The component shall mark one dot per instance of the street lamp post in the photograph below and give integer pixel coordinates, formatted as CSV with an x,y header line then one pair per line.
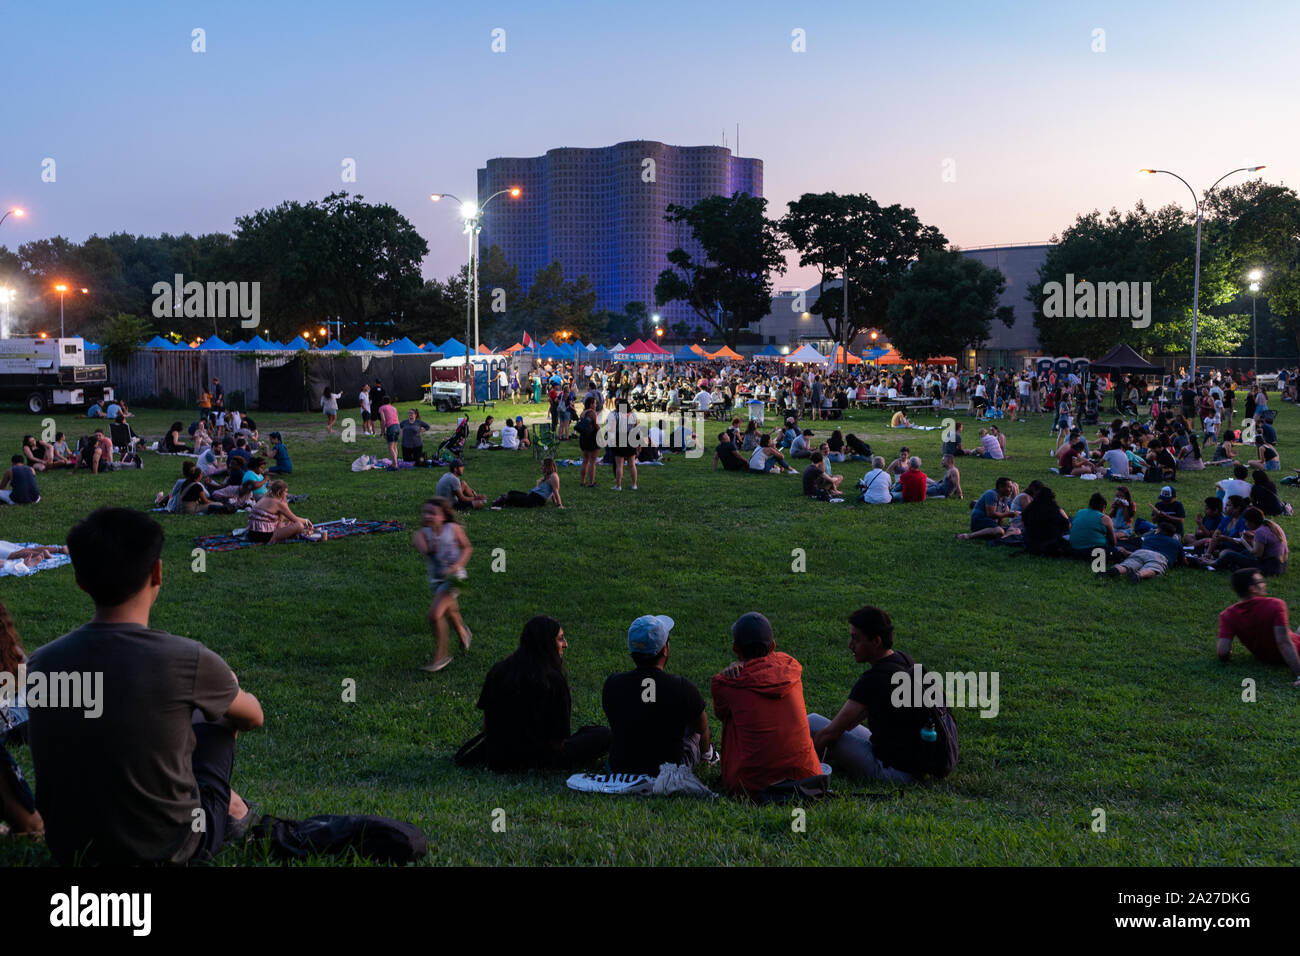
x,y
1200,214
61,289
1255,276
15,212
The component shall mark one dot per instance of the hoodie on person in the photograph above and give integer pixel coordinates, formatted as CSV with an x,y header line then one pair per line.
x,y
765,736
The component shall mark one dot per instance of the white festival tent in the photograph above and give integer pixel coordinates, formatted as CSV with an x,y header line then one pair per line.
x,y
806,353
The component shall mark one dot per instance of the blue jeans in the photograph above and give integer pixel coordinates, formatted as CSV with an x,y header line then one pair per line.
x,y
852,754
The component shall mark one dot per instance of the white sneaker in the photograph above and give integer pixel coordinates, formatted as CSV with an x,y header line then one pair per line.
x,y
617,488
634,487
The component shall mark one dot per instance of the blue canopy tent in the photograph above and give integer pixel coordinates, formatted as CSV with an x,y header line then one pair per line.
x,y
451,348
551,350
157,342
404,346
240,346
684,354
213,344
275,345
334,346
259,344
770,351
297,343
362,345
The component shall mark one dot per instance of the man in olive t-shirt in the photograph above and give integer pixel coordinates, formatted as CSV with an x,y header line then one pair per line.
x,y
136,775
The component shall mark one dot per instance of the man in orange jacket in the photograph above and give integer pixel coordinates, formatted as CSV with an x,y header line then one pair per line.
x,y
759,699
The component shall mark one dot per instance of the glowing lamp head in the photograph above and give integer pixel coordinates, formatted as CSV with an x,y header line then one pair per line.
x,y
1255,275
468,209
515,192
60,288
18,213
1254,287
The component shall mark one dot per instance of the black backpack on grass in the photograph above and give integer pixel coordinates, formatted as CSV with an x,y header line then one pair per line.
x,y
375,838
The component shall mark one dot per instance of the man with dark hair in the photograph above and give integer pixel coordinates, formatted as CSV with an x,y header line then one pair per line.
x,y
455,489
890,747
1159,552
726,452
142,774
218,395
816,484
1259,622
23,479
759,699
656,717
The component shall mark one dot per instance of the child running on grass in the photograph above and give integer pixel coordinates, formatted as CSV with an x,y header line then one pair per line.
x,y
447,549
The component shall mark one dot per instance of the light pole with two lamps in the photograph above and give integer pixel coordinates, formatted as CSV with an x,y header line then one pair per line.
x,y
1200,215
472,213
1255,275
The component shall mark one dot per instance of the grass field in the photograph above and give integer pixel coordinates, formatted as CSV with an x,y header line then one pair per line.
x,y
1111,697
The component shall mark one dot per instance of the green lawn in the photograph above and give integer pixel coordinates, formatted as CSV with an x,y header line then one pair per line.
x,y
1111,696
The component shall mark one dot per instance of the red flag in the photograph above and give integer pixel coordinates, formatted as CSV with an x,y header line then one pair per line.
x,y
528,342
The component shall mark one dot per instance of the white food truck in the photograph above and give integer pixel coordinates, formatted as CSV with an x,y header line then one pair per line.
x,y
45,373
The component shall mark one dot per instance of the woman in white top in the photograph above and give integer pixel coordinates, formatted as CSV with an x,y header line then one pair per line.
x,y
509,436
329,404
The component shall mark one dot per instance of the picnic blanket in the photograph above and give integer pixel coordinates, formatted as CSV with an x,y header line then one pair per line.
x,y
341,528
20,569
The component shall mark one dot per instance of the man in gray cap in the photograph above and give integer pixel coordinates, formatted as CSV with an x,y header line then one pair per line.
x,y
656,717
759,699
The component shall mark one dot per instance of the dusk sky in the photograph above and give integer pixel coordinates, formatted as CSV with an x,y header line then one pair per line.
x,y
149,137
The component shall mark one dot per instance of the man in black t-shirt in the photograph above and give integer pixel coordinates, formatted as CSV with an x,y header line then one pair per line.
x,y
890,747
815,483
726,453
656,717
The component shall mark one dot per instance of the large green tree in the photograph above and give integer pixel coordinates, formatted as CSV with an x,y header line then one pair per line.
x,y
874,245
1139,246
731,286
946,303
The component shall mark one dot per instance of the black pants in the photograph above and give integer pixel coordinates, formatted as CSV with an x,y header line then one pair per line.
x,y
522,499
213,763
585,746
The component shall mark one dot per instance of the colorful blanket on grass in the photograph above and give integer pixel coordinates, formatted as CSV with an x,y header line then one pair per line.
x,y
342,528
21,569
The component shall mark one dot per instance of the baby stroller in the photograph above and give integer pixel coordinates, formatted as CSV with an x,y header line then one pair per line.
x,y
454,445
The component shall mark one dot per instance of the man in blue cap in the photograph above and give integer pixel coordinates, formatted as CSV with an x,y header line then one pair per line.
x,y
656,717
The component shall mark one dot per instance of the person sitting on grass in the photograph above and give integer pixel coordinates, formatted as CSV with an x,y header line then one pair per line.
x,y
801,447
456,489
144,778
669,725
17,807
1073,460
1189,456
899,464
547,489
271,520
890,747
1091,528
1260,623
949,486
1209,521
192,496
858,450
1168,508
483,436
952,445
447,550
23,479
1225,453
759,699
726,453
749,440
1044,523
768,458
1161,464
509,435
62,453
989,511
36,455
816,483
527,707
899,420
876,484
99,456
1263,546
834,450
1263,494
281,465
210,466
172,443
1159,552
912,484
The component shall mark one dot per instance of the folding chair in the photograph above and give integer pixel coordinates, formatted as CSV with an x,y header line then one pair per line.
x,y
544,442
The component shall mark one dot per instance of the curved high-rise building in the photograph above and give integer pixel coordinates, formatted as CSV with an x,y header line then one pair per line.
x,y
600,213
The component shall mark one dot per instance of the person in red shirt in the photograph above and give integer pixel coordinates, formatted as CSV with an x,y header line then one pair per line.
x,y
1072,460
759,699
1260,622
912,482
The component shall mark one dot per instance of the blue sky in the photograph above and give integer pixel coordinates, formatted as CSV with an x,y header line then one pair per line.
x,y
148,136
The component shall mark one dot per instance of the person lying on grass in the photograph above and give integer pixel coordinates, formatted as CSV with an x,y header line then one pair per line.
x,y
547,489
271,520
1159,552
890,747
9,551
989,512
1260,623
446,550
144,777
527,707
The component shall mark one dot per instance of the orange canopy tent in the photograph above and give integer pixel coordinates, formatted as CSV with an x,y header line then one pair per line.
x,y
727,353
839,357
484,350
699,350
891,358
518,346
941,360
